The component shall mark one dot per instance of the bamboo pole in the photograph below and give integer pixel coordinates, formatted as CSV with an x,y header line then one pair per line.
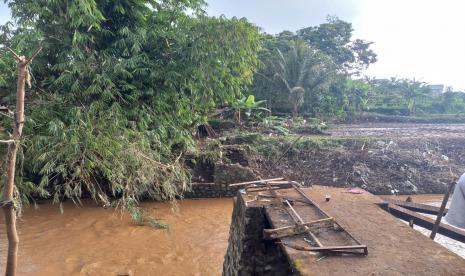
x,y
13,144
255,182
441,210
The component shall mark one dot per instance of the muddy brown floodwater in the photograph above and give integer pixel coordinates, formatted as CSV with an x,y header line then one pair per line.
x,y
436,200
93,241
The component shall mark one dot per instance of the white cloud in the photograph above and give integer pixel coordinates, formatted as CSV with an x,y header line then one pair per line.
x,y
416,38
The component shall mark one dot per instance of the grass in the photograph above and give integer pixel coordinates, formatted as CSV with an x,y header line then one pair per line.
x,y
275,145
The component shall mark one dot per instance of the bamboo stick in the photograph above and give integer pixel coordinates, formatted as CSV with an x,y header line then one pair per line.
x,y
255,181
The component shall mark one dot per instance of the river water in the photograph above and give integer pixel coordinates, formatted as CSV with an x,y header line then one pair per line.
x,y
91,240
436,200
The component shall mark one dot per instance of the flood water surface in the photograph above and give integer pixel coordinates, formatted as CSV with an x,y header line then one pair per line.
x,y
436,200
93,241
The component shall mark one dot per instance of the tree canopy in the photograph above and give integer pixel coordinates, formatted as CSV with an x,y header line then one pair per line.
x,y
334,38
311,71
119,88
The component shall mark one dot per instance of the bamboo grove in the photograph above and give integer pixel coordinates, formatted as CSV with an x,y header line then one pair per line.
x,y
117,91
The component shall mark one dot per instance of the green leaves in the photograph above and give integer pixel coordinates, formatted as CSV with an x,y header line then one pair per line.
x,y
122,86
334,38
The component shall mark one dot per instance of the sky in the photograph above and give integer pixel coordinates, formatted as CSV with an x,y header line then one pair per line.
x,y
4,13
421,39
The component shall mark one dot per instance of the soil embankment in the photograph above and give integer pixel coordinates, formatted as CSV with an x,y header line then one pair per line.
x,y
383,158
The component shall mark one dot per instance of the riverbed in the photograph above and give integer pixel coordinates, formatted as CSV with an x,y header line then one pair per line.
x,y
90,240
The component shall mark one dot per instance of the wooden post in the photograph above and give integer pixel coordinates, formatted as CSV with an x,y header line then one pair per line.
x,y
441,210
13,144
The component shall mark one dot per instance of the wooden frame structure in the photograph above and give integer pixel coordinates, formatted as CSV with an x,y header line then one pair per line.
x,y
300,226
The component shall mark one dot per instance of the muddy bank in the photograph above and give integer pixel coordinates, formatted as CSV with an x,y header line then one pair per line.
x,y
404,159
399,130
380,167
95,241
419,119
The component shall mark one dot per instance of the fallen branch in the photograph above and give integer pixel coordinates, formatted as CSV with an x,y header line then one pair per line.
x,y
154,161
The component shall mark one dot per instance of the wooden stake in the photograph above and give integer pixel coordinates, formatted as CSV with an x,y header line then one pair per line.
x,y
8,188
441,210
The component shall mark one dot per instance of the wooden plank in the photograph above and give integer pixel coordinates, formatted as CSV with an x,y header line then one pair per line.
x,y
341,249
337,247
417,207
260,189
278,233
425,222
302,193
279,182
314,238
255,181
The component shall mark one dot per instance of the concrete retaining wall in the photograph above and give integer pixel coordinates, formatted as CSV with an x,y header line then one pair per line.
x,y
248,253
211,190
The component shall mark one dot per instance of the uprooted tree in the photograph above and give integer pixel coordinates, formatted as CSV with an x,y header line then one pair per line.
x,y
7,202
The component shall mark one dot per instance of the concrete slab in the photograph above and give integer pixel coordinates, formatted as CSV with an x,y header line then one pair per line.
x,y
394,248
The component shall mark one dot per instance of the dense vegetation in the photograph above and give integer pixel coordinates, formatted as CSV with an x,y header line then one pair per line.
x,y
411,97
317,71
121,86
118,89
311,71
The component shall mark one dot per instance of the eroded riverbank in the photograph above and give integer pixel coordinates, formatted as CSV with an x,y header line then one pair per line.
x,y
93,241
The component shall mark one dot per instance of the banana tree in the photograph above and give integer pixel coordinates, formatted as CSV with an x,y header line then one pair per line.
x,y
248,106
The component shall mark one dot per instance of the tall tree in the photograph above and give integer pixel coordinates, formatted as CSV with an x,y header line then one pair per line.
x,y
412,91
334,38
292,73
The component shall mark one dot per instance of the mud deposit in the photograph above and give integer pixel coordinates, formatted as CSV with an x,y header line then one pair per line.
x,y
381,158
95,241
398,130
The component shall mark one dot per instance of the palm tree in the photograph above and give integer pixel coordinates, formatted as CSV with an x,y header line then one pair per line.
x,y
412,91
296,69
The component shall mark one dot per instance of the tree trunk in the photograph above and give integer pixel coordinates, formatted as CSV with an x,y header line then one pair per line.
x,y
295,110
8,188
